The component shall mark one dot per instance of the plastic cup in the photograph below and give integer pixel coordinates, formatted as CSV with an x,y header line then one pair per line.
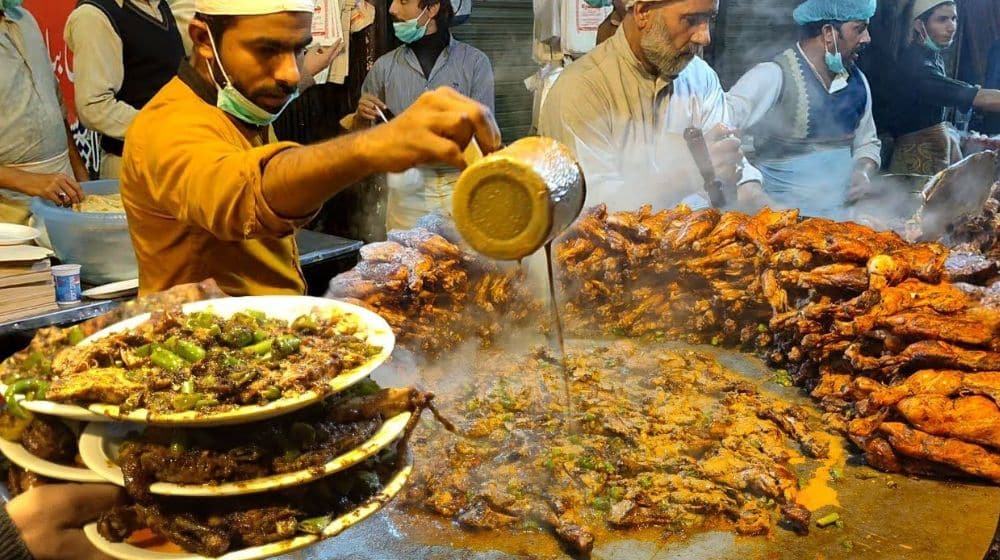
x,y
67,278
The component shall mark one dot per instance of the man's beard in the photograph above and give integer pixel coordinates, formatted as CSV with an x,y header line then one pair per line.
x,y
656,47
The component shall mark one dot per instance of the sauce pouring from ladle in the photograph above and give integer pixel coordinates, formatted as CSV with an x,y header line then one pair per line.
x,y
509,204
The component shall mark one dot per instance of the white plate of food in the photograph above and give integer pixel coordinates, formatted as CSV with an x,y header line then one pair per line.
x,y
113,290
219,362
164,550
15,234
100,443
16,452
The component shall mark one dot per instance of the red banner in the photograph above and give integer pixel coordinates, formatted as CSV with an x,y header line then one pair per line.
x,y
51,16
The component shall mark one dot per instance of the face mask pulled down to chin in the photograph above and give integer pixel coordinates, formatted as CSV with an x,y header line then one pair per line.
x,y
930,43
835,63
234,103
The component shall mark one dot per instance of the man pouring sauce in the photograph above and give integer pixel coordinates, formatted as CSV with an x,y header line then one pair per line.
x,y
207,190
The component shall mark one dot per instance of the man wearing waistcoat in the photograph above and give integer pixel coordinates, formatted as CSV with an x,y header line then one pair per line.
x,y
810,112
124,52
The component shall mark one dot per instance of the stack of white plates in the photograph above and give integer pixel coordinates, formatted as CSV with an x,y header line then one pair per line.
x,y
105,427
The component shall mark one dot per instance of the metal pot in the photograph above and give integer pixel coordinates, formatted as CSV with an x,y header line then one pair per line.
x,y
511,202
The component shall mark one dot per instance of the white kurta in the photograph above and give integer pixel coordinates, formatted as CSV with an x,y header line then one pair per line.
x,y
626,126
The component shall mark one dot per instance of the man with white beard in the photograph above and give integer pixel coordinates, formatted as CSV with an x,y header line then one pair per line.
x,y
623,108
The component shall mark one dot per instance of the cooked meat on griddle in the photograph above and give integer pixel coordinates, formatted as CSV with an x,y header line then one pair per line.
x,y
970,458
214,527
829,302
658,437
973,268
974,419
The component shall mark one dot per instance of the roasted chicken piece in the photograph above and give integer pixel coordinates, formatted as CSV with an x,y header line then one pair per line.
x,y
966,457
724,232
885,270
351,285
20,481
969,267
973,419
846,277
427,242
842,242
925,260
683,232
923,382
798,259
972,328
383,275
933,353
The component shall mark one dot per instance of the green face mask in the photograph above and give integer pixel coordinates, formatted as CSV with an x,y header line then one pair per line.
x,y
928,42
9,4
410,30
235,103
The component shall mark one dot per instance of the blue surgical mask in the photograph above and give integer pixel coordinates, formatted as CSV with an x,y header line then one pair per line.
x,y
233,102
598,3
9,4
835,60
410,30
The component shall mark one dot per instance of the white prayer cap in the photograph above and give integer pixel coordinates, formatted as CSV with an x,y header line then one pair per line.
x,y
252,7
921,7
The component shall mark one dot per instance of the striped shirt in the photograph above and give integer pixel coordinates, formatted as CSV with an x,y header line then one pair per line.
x,y
397,80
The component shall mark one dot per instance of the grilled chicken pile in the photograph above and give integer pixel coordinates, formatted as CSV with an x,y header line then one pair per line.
x,y
660,437
843,308
432,291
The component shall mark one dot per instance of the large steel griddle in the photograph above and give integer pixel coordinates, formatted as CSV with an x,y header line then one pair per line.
x,y
886,517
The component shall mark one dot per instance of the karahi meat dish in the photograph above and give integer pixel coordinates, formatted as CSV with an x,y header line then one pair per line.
x,y
45,437
303,440
214,527
178,362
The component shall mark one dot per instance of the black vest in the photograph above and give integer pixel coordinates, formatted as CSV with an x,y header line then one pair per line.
x,y
151,53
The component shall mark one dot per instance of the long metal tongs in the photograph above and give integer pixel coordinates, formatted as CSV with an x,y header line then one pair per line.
x,y
695,139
